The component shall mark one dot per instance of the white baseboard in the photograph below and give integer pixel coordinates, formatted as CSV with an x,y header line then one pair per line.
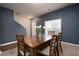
x,y
70,44
8,43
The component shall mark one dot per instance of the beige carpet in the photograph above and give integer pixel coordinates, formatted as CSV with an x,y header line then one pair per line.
x,y
68,50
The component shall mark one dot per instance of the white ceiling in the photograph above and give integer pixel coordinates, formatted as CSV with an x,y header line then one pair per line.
x,y
34,9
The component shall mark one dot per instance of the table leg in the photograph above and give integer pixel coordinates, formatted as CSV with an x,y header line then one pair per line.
x,y
33,51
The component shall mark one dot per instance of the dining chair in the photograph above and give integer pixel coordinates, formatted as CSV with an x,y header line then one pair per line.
x,y
21,45
54,46
59,41
52,49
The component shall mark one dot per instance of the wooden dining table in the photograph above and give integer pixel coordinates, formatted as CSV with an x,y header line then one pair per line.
x,y
34,43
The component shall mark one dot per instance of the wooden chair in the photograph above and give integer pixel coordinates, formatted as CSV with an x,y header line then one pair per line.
x,y
51,50
59,41
54,46
21,45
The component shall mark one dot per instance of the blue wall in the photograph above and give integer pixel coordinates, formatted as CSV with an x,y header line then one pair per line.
x,y
9,28
70,22
0,29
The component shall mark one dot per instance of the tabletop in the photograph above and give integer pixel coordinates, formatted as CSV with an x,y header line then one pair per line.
x,y
35,41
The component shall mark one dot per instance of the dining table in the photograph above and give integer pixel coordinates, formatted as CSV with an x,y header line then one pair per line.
x,y
34,43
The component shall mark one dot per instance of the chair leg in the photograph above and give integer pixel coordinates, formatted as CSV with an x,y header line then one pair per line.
x,y
19,54
57,51
25,53
54,51
24,50
61,49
